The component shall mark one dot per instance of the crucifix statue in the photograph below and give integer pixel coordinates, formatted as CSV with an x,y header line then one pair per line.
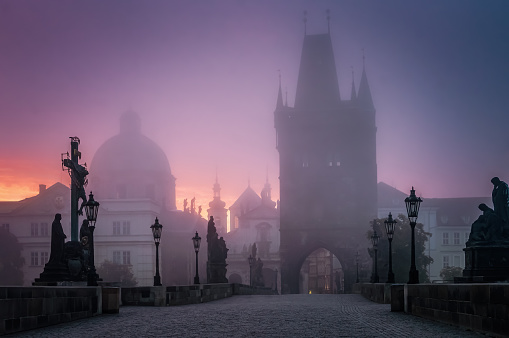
x,y
79,180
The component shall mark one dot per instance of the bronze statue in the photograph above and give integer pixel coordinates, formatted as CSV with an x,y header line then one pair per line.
x,y
500,197
57,242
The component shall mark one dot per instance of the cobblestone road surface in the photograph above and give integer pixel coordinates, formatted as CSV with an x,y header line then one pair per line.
x,y
258,316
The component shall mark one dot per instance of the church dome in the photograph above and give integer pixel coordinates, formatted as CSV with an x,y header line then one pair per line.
x,y
132,166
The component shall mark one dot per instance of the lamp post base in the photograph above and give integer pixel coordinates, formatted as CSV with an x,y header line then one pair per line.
x,y
413,277
390,277
157,281
92,277
196,280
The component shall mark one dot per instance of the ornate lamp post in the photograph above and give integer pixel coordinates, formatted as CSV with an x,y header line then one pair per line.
x,y
91,209
389,229
251,261
357,263
412,207
196,243
374,241
156,231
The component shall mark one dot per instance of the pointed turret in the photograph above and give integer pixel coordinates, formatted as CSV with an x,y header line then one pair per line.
x,y
353,95
217,209
364,97
266,194
279,103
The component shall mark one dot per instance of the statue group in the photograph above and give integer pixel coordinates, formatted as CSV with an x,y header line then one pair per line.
x,y
493,225
487,249
216,254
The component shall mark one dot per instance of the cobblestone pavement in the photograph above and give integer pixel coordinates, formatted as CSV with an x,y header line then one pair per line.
x,y
258,316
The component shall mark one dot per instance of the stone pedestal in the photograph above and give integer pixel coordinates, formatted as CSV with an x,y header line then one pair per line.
x,y
216,273
486,263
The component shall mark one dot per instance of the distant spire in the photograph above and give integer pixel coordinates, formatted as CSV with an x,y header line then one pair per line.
x,y
279,103
328,19
353,94
305,22
286,96
364,95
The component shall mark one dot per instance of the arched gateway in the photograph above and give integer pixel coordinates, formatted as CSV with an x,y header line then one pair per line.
x,y
328,173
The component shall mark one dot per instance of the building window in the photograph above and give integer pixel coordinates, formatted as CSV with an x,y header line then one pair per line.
x,y
456,239
44,257
457,261
116,257
336,159
116,228
126,228
34,230
445,262
34,258
5,226
44,230
126,257
305,161
445,238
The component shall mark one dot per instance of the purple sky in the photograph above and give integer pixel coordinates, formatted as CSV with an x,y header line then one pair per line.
x,y
203,76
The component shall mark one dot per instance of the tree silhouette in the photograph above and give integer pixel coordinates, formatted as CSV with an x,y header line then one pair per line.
x,y
401,250
119,273
11,260
450,272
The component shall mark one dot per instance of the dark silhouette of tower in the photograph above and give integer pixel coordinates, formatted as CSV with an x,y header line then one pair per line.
x,y
327,157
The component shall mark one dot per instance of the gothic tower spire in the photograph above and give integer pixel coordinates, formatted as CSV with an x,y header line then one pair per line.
x,y
279,103
364,96
353,95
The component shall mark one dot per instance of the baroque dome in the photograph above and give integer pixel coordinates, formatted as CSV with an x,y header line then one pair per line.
x,y
132,166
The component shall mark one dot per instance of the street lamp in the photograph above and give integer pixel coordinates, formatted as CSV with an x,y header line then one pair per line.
x,y
412,207
251,261
196,243
357,263
374,241
91,209
389,229
156,231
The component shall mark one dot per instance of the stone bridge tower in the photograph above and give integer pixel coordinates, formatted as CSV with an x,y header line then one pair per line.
x,y
328,171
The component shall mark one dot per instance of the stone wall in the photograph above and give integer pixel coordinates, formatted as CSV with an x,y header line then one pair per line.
x,y
376,292
25,308
187,294
479,307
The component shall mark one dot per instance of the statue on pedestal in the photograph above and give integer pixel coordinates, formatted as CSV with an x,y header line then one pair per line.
x,y
487,248
216,253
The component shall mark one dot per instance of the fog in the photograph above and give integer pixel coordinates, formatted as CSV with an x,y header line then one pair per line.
x,y
203,77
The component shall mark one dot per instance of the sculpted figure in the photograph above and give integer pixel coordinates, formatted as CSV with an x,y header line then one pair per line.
x,y
57,242
500,197
80,180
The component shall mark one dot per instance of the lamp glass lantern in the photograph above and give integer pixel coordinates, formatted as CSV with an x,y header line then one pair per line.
x,y
389,226
412,206
157,229
91,209
374,239
196,242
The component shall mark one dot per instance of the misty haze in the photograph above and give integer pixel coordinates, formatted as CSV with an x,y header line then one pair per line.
x,y
257,143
